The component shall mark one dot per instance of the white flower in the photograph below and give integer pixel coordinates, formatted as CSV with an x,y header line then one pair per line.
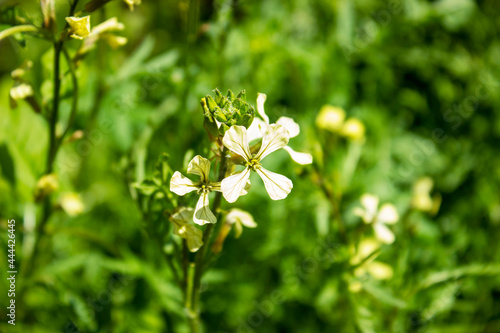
x,y
379,218
258,128
236,140
21,91
182,228
239,218
181,185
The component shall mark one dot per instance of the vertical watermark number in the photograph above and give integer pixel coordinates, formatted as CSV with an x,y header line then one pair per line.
x,y
11,271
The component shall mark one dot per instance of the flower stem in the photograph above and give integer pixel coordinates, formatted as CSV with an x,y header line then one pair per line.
x,y
334,202
53,144
202,253
18,28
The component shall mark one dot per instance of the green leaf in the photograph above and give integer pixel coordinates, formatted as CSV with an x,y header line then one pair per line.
x,y
383,295
147,187
163,171
135,64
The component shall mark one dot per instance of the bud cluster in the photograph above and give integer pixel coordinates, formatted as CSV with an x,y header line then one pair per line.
x,y
222,112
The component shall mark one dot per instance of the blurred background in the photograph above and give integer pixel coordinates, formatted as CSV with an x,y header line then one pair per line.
x,y
421,79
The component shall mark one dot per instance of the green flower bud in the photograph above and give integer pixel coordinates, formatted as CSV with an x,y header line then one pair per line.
x,y
218,96
227,111
206,110
219,114
211,103
242,95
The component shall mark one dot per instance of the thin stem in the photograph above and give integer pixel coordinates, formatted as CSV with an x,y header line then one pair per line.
x,y
53,146
333,201
185,262
170,263
193,317
74,104
202,252
18,28
54,115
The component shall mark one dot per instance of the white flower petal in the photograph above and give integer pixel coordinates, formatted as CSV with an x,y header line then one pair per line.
x,y
202,212
238,230
246,188
236,140
383,233
199,166
181,185
236,215
186,230
276,137
233,186
111,24
194,238
261,99
388,214
292,127
370,203
256,130
361,212
184,215
277,186
301,158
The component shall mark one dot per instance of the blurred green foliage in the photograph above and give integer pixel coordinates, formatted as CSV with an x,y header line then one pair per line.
x,y
423,77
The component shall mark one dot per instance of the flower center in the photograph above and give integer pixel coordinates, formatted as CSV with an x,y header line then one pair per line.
x,y
204,188
254,164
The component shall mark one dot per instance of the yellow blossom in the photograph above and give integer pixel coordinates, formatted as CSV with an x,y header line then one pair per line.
x,y
422,199
353,129
46,185
364,259
132,3
71,203
79,26
330,118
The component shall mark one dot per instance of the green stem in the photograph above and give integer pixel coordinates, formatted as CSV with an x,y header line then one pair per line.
x,y
193,317
327,191
74,103
202,252
185,263
18,28
54,115
53,143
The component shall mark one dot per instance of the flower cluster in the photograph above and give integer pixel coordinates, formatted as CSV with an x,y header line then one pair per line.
x,y
232,126
79,28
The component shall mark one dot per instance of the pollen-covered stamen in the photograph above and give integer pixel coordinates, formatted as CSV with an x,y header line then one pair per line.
x,y
254,164
206,188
